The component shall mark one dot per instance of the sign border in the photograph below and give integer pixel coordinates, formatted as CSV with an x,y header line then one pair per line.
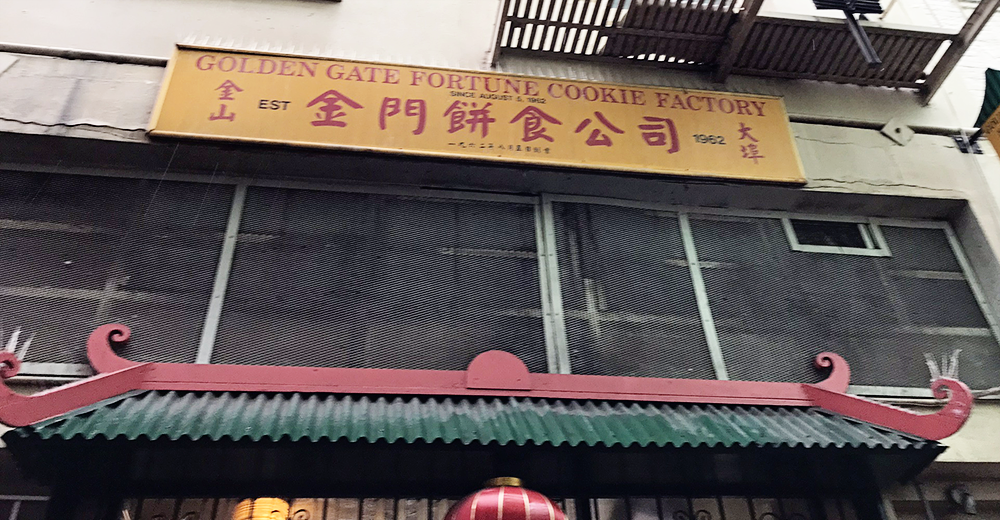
x,y
168,76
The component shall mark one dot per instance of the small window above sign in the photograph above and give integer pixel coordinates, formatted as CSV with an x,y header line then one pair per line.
x,y
835,236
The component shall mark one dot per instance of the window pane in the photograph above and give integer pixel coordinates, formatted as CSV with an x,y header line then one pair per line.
x,y
824,233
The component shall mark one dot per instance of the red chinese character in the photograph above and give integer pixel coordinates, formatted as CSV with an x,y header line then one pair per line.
x,y
228,88
413,108
533,128
660,138
475,117
750,152
597,137
331,109
745,132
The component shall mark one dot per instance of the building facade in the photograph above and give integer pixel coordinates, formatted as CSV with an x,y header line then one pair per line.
x,y
261,248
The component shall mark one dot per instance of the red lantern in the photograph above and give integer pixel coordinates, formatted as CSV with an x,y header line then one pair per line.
x,y
505,499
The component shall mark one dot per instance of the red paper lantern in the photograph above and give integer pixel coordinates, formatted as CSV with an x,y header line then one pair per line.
x,y
505,499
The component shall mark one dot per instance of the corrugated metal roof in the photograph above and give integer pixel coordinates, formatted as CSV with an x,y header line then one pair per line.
x,y
257,417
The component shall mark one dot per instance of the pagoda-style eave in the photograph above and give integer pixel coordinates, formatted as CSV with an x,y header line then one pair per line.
x,y
491,374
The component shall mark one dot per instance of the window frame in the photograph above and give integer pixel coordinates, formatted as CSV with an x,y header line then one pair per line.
x,y
874,241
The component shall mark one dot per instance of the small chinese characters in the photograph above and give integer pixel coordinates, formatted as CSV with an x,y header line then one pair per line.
x,y
750,150
227,90
500,147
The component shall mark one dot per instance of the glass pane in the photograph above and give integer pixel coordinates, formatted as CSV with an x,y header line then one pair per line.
x,y
823,233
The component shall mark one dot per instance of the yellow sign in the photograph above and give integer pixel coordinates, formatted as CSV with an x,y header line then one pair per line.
x,y
242,96
991,129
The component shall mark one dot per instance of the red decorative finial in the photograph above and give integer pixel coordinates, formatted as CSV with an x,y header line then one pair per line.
x,y
934,426
101,344
840,372
9,365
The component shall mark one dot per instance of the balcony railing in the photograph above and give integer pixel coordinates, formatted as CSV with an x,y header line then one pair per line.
x,y
731,36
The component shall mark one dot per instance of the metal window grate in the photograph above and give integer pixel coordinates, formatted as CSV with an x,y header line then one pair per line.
x,y
379,281
81,251
630,307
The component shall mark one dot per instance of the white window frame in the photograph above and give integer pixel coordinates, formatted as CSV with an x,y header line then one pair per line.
x,y
875,244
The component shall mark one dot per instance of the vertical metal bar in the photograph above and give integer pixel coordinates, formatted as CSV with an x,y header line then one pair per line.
x,y
543,283
863,230
211,325
554,318
970,277
879,238
701,297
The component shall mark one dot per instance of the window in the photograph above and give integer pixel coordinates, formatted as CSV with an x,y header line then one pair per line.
x,y
81,251
830,236
405,278
366,280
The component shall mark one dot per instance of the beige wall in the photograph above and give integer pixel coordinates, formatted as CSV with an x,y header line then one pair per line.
x,y
455,33
979,439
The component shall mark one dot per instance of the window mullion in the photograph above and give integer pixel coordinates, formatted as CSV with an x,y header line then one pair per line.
x,y
210,327
553,317
701,297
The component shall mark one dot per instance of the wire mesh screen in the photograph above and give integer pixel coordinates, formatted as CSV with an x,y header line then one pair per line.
x,y
79,251
629,303
378,281
775,309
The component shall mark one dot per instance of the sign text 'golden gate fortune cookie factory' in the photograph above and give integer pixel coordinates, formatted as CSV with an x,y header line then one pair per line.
x,y
326,103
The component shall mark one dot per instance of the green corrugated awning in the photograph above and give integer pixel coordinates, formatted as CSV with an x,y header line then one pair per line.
x,y
161,415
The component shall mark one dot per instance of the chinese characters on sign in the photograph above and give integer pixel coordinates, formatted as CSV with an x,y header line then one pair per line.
x,y
228,88
339,104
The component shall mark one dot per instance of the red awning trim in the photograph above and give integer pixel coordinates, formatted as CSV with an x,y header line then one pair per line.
x,y
493,373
